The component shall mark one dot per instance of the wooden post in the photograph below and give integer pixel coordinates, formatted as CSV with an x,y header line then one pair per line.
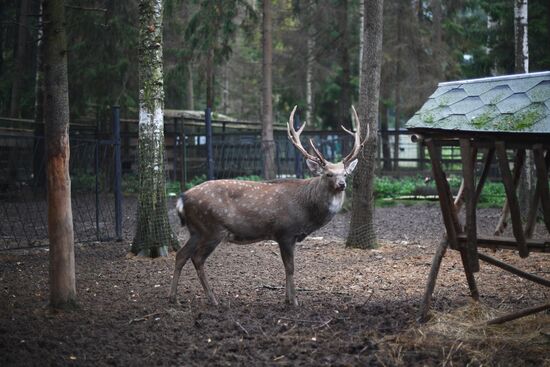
x,y
487,160
542,182
472,262
518,164
434,271
447,208
512,198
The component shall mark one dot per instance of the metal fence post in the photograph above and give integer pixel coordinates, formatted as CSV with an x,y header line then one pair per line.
x,y
118,173
298,167
209,149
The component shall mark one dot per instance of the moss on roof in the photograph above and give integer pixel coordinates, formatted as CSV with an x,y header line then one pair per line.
x,y
513,103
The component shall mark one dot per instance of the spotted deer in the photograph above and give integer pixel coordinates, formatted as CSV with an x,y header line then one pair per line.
x,y
285,211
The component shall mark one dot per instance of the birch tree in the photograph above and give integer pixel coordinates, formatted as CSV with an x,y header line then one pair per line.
x,y
362,233
521,62
56,118
154,237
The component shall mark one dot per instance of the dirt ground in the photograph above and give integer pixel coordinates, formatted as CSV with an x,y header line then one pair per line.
x,y
357,307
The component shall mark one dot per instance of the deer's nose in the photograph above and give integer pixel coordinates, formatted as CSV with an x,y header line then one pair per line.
x,y
341,186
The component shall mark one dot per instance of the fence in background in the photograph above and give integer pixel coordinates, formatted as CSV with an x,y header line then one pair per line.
x,y
103,165
95,189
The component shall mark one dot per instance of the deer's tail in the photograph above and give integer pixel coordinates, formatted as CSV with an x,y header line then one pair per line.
x,y
180,209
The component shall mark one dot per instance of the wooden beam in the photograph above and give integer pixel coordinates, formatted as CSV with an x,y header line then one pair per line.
x,y
472,261
512,269
518,164
512,198
450,217
519,314
494,242
434,271
487,160
534,206
542,182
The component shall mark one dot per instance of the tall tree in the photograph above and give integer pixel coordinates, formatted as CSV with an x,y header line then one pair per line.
x,y
20,59
521,62
153,234
56,117
268,144
344,81
362,233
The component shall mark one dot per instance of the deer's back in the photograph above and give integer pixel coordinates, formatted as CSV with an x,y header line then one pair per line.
x,y
249,211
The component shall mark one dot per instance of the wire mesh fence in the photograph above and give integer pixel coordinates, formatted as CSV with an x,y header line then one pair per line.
x,y
93,163
23,206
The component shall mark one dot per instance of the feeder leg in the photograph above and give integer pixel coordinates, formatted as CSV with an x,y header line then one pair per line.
x,y
434,271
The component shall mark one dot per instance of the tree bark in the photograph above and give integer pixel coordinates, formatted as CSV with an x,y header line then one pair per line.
x,y
344,102
20,59
386,153
56,116
189,86
153,236
39,173
309,68
268,145
362,233
521,61
361,38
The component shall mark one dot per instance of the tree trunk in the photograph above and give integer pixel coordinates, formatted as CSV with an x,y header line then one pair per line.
x,y
20,59
153,236
397,78
437,40
386,152
344,102
190,95
361,38
268,145
362,233
210,79
39,172
309,69
56,116
521,53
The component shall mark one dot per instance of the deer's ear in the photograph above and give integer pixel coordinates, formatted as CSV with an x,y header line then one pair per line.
x,y
351,166
314,167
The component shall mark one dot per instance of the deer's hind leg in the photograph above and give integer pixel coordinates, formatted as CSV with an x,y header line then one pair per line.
x,y
182,256
204,250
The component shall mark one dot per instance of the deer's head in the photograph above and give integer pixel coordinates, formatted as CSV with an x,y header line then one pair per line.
x,y
334,174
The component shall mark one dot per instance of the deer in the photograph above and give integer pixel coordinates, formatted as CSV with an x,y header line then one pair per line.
x,y
282,210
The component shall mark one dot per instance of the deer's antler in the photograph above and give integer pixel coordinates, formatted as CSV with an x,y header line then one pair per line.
x,y
357,138
294,137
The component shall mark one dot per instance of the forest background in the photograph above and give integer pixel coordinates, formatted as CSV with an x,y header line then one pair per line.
x,y
316,48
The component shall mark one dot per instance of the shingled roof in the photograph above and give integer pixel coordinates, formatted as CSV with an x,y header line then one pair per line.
x,y
513,103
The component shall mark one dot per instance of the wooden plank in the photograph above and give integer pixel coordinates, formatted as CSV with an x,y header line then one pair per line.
x,y
430,285
518,165
469,198
494,242
450,218
542,182
515,214
512,269
469,274
487,160
519,314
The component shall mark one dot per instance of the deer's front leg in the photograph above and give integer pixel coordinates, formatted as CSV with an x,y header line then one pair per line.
x,y
287,253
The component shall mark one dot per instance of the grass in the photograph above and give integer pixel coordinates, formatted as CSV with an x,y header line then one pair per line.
x,y
462,337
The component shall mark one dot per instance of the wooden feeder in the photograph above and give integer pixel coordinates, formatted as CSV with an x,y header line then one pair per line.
x,y
494,116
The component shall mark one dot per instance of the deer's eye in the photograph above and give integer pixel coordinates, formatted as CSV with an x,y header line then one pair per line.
x,y
329,175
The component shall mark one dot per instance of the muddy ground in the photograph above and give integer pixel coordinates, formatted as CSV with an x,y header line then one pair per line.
x,y
354,304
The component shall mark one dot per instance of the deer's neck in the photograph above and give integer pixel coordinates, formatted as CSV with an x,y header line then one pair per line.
x,y
320,197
